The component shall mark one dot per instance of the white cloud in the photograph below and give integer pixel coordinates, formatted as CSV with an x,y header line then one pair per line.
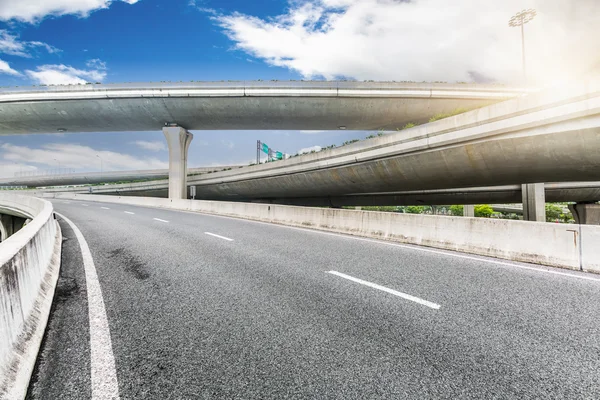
x,y
78,157
12,45
228,143
309,149
152,146
66,75
6,69
96,63
9,170
425,40
35,10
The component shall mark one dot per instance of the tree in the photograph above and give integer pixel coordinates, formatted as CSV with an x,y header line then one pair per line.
x,y
381,208
553,212
415,209
483,210
457,210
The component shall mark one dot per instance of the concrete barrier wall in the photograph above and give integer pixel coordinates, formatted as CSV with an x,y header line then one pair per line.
x,y
559,245
29,265
590,247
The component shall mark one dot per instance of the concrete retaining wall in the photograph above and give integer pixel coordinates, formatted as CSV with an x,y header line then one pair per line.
x,y
29,265
559,245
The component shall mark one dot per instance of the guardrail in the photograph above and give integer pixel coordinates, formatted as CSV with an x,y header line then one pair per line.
x,y
559,245
29,266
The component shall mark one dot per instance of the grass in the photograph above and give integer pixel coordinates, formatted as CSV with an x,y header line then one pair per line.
x,y
437,117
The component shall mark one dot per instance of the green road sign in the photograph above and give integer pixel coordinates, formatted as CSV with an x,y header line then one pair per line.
x,y
265,148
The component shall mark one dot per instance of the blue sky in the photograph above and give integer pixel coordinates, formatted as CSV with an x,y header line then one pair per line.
x,y
71,41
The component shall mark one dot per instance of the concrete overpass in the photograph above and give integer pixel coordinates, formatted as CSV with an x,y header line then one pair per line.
x,y
580,192
232,105
236,105
545,137
85,178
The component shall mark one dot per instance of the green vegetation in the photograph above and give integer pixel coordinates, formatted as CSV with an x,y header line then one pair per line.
x,y
457,210
415,209
437,117
483,210
382,208
557,212
408,126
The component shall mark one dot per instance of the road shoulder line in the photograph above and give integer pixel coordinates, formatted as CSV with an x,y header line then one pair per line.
x,y
103,371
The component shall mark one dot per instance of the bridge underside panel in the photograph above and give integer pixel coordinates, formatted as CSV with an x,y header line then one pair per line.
x,y
488,196
226,113
495,162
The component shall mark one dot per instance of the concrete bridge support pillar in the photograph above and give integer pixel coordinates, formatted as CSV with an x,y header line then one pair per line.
x,y
586,214
9,225
179,141
534,202
469,210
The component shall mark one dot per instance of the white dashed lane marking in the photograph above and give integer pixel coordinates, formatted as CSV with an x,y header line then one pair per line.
x,y
219,236
387,290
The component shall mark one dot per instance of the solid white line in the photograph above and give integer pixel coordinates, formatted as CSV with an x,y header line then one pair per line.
x,y
105,208
129,212
387,290
103,372
158,219
219,236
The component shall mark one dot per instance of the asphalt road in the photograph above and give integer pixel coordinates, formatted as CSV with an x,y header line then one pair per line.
x,y
278,312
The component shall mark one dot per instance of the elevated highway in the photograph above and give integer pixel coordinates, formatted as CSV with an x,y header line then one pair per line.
x,y
241,105
179,107
550,136
547,137
581,192
84,178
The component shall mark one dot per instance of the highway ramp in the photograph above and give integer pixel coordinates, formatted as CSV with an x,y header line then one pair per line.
x,y
203,306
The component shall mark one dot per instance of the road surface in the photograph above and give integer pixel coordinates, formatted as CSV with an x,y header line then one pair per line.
x,y
199,306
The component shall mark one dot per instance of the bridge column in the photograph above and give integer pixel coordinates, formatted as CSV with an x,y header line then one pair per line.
x,y
179,141
469,210
534,202
586,213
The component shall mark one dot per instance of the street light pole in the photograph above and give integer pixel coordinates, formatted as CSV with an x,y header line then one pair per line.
x,y
520,19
